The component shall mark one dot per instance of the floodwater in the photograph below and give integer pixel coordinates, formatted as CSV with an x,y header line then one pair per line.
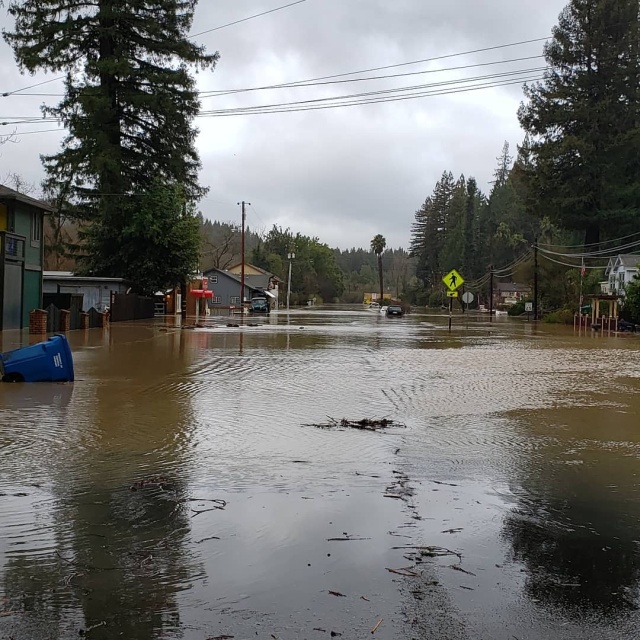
x,y
179,488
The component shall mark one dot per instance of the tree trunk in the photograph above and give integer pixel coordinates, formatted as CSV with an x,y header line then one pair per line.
x,y
380,276
592,236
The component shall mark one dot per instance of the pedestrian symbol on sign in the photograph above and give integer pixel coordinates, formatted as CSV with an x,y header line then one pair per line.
x,y
453,280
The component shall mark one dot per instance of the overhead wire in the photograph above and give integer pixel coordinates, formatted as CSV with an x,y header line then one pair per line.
x,y
592,254
193,35
382,92
591,244
303,83
337,102
518,261
312,83
257,15
574,266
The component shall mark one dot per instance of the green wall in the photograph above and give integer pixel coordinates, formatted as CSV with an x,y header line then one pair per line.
x,y
32,297
32,291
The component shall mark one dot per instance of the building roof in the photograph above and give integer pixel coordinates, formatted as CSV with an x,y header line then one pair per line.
x,y
253,266
624,260
69,276
629,260
512,287
11,194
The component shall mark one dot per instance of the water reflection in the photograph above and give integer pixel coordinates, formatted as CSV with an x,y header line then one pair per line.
x,y
112,557
575,524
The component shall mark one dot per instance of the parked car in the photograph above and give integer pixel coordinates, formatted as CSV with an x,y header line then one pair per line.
x,y
394,310
259,305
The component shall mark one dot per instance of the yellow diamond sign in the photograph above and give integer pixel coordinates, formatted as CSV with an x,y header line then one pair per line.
x,y
453,280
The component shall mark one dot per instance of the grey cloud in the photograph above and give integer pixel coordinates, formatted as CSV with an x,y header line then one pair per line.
x,y
344,174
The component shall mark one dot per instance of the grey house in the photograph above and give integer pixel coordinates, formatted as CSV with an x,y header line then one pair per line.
x,y
226,288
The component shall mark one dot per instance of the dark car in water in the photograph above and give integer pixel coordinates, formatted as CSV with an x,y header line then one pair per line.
x,y
259,305
394,310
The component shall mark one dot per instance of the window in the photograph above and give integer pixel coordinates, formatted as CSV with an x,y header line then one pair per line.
x,y
213,279
234,300
36,231
217,300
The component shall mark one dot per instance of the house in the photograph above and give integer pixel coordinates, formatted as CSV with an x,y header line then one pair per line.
x,y
509,293
96,291
260,279
226,289
620,271
21,256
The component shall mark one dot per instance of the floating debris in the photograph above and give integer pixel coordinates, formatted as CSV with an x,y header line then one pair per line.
x,y
377,625
366,424
407,573
159,482
337,594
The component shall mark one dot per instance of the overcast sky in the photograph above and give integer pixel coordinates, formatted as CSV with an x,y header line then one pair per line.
x,y
341,174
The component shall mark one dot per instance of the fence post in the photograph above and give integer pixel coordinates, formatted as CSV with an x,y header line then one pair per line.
x,y
84,320
65,320
38,322
104,319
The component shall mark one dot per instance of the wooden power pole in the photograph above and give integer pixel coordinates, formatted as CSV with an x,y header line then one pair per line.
x,y
244,218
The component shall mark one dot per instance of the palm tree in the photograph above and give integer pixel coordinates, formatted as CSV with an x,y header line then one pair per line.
x,y
378,245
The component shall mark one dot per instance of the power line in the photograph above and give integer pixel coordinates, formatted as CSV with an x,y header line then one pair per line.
x,y
518,261
304,83
291,108
584,246
26,133
592,254
194,35
346,101
573,266
32,86
309,83
257,15
382,92
348,73
423,60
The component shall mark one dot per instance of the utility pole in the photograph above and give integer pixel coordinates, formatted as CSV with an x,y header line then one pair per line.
x,y
244,217
535,280
292,256
491,293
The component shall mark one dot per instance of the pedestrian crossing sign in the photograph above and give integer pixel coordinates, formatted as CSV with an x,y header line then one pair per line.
x,y
453,280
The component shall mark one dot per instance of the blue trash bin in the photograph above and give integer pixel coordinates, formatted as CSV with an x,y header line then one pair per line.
x,y
49,361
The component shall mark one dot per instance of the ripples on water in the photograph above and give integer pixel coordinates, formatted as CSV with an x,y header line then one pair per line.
x,y
530,426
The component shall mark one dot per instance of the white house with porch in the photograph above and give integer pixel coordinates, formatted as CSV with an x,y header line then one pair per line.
x,y
620,271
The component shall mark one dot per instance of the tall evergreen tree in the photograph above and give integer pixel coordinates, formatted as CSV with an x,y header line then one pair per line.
x,y
129,105
469,260
584,119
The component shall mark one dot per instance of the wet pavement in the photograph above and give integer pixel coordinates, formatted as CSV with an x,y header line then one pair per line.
x,y
178,489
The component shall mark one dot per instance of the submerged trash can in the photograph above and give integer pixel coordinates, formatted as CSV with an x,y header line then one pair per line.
x,y
49,361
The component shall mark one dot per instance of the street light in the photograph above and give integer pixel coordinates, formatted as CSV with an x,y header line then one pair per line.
x,y
291,256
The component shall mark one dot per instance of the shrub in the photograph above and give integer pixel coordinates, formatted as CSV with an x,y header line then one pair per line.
x,y
562,316
436,299
517,309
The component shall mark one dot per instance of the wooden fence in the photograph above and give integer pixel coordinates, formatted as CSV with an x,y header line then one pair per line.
x,y
126,307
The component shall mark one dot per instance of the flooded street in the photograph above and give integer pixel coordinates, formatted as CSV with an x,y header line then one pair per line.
x,y
179,488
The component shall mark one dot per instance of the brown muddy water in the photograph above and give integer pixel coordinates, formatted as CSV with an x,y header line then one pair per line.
x,y
521,447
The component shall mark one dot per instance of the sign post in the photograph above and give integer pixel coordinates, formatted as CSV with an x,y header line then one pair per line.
x,y
468,298
528,307
453,281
